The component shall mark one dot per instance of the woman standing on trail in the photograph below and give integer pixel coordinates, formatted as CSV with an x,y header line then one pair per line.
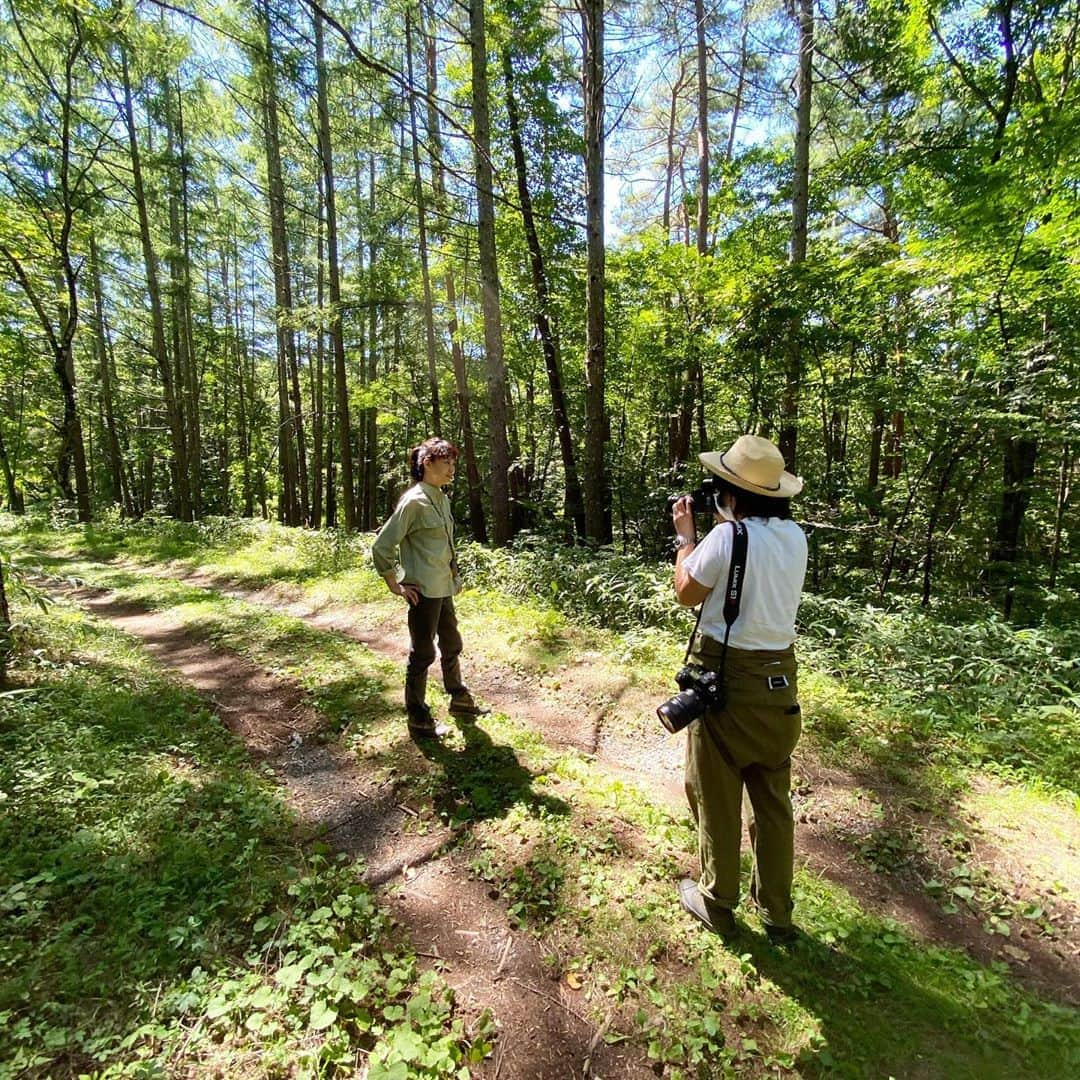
x,y
747,743
414,552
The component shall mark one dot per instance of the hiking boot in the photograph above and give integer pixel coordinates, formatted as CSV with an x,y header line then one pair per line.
x,y
427,734
422,724
462,703
720,920
782,935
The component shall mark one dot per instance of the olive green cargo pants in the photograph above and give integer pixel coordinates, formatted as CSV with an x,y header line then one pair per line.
x,y
747,745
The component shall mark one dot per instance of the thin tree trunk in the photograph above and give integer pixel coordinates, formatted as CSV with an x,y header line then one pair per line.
x,y
115,458
341,383
597,494
371,429
477,520
669,171
574,506
221,347
239,366
422,241
703,130
291,433
800,201
180,292
489,280
178,464
316,370
740,85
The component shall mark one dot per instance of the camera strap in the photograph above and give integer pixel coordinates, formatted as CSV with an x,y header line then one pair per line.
x,y
732,594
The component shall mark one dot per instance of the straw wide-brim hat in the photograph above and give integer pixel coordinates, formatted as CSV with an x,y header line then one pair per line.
x,y
754,464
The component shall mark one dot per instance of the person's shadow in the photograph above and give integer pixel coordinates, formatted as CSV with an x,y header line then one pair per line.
x,y
482,780
882,1010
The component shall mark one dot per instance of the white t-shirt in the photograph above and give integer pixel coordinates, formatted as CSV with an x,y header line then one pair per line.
x,y
775,571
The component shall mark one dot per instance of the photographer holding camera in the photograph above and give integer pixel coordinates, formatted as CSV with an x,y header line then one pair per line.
x,y
741,687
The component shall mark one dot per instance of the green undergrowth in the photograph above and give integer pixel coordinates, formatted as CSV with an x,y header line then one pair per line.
x,y
589,865
903,691
160,916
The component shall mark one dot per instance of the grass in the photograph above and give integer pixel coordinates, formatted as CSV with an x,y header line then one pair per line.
x,y
588,864
160,914
904,693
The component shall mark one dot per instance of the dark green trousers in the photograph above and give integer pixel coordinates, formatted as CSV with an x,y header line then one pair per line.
x,y
746,746
432,616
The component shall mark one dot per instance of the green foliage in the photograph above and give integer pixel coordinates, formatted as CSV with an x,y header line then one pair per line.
x,y
978,692
586,864
975,692
602,588
159,911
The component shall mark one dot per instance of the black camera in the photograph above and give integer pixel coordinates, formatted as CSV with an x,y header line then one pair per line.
x,y
699,689
702,498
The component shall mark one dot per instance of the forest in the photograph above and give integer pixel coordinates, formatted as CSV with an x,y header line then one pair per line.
x,y
251,252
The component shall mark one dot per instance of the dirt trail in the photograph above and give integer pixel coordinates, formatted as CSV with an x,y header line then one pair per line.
x,y
449,916
835,810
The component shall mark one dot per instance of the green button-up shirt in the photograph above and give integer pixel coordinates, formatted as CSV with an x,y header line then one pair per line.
x,y
416,543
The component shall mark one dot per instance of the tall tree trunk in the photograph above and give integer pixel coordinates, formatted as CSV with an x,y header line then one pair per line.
x,y
597,495
180,293
231,289
740,85
574,505
316,370
291,434
477,520
337,339
703,130
421,237
221,346
179,464
669,171
800,202
115,458
489,280
370,491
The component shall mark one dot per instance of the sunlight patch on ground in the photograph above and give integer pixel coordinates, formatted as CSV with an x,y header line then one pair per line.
x,y
1041,833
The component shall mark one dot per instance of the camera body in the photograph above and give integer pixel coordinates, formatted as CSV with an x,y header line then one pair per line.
x,y
702,498
699,689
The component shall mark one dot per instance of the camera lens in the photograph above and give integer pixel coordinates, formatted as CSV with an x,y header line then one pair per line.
x,y
682,709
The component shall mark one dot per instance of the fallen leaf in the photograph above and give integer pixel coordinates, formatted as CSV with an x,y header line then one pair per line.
x,y
573,980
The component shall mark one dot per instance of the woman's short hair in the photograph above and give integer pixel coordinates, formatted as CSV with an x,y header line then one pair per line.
x,y
434,449
751,504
